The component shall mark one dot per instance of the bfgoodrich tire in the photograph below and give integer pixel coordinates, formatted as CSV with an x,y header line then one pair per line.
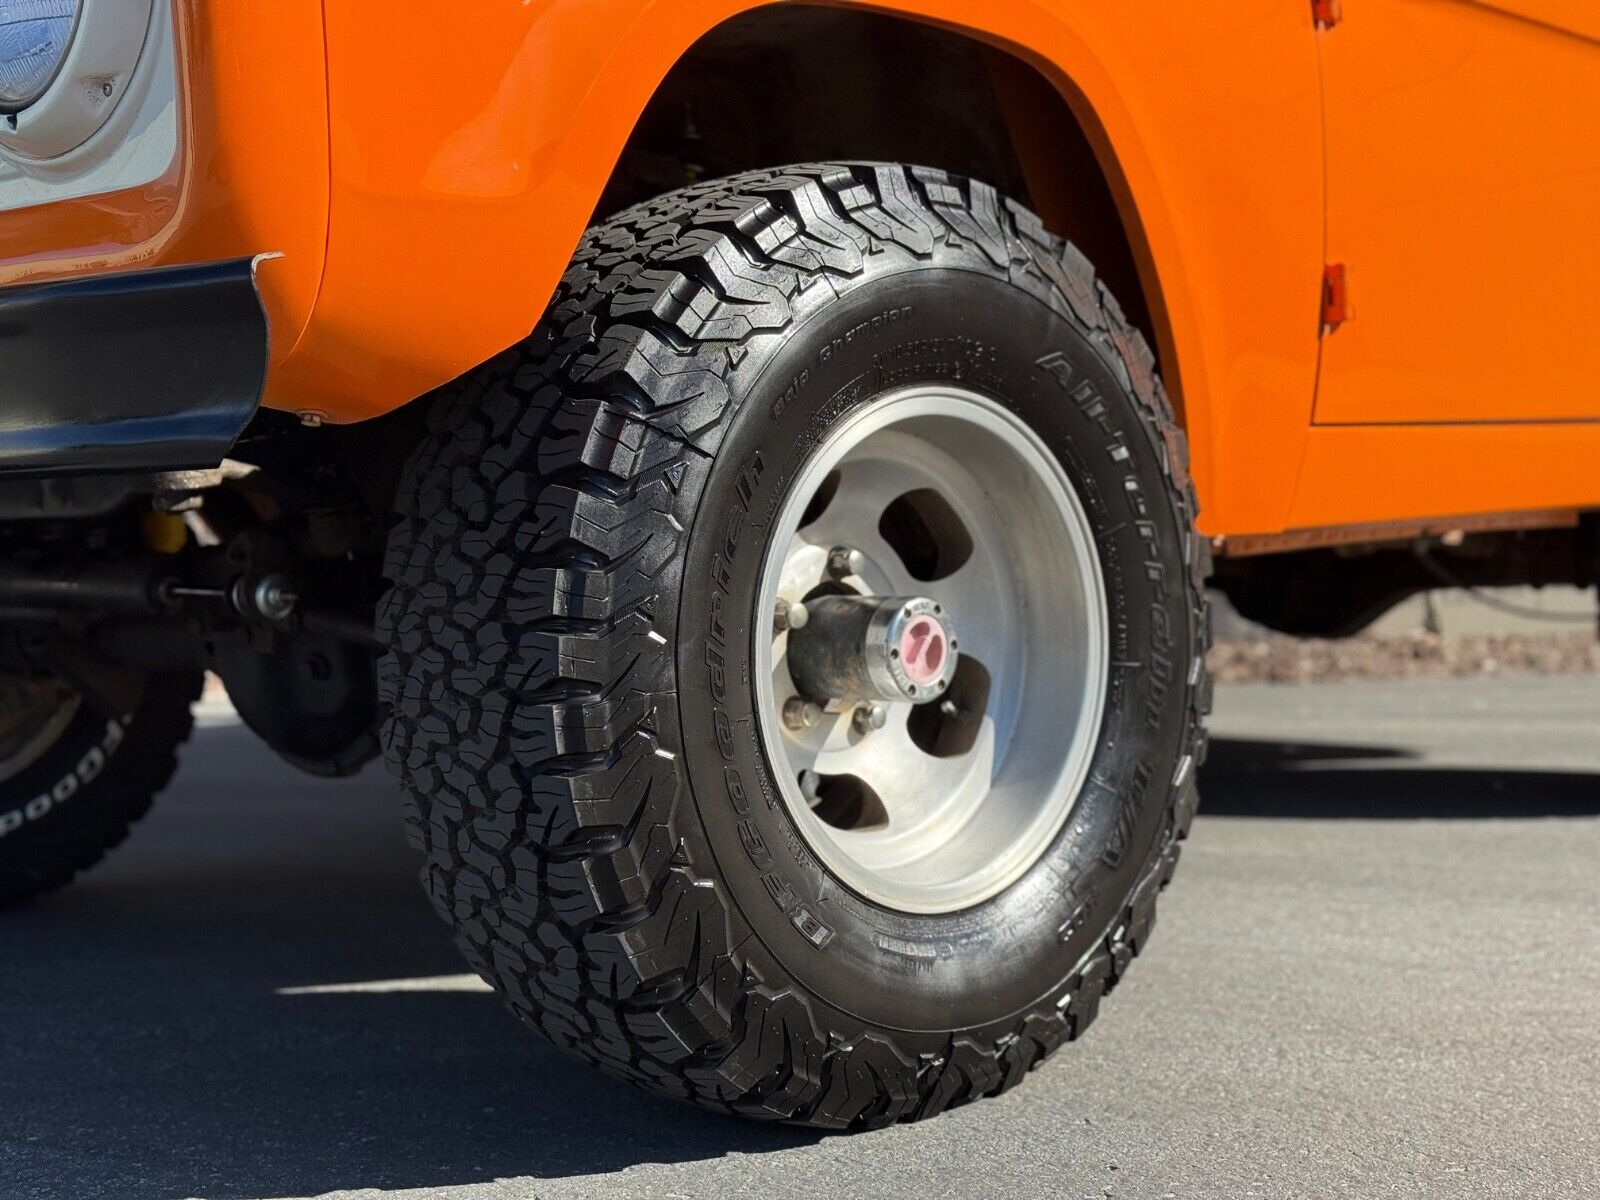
x,y
581,647
75,775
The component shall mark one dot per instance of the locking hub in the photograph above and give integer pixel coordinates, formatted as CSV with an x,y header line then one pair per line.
x,y
869,648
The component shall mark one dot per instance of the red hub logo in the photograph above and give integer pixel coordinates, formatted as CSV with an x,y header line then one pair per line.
x,y
924,646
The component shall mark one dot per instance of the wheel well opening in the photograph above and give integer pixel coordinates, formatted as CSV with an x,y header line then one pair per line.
x,y
794,83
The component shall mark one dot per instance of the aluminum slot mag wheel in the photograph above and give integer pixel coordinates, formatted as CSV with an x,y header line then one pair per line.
x,y
937,790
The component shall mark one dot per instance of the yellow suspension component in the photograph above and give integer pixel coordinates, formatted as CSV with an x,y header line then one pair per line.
x,y
165,533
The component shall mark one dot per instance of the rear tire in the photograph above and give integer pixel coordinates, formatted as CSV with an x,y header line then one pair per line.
x,y
572,682
79,782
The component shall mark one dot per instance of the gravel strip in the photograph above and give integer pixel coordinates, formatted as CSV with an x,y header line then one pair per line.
x,y
1276,659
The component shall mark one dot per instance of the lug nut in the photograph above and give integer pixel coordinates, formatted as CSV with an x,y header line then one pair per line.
x,y
800,713
789,616
844,562
869,717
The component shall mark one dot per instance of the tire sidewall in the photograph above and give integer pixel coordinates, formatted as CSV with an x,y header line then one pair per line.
x,y
56,789
900,325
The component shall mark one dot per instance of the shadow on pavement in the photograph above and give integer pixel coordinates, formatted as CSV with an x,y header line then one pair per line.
x,y
1296,779
148,1051
148,1048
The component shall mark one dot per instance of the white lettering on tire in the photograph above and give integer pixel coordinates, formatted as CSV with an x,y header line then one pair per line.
x,y
89,766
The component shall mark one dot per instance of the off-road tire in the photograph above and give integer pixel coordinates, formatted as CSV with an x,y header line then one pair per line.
x,y
65,811
541,674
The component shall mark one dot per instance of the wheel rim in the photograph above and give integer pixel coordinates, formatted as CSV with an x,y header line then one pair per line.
x,y
928,806
33,715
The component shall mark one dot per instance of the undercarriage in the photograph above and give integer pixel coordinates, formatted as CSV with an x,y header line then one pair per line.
x,y
266,576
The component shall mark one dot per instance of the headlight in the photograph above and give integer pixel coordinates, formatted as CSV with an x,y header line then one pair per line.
x,y
34,37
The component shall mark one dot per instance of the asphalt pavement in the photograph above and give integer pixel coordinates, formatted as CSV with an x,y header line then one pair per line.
x,y
1377,974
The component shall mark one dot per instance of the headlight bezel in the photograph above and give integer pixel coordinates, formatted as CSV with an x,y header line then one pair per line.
x,y
95,75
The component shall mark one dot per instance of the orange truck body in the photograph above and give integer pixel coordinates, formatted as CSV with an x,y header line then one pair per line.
x,y
1368,239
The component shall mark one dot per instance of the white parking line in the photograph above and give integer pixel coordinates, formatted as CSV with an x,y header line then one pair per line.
x,y
425,983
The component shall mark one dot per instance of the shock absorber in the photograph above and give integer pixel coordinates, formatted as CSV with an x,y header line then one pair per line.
x,y
86,587
41,592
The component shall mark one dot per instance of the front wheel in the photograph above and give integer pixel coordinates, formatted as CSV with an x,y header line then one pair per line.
x,y
796,648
